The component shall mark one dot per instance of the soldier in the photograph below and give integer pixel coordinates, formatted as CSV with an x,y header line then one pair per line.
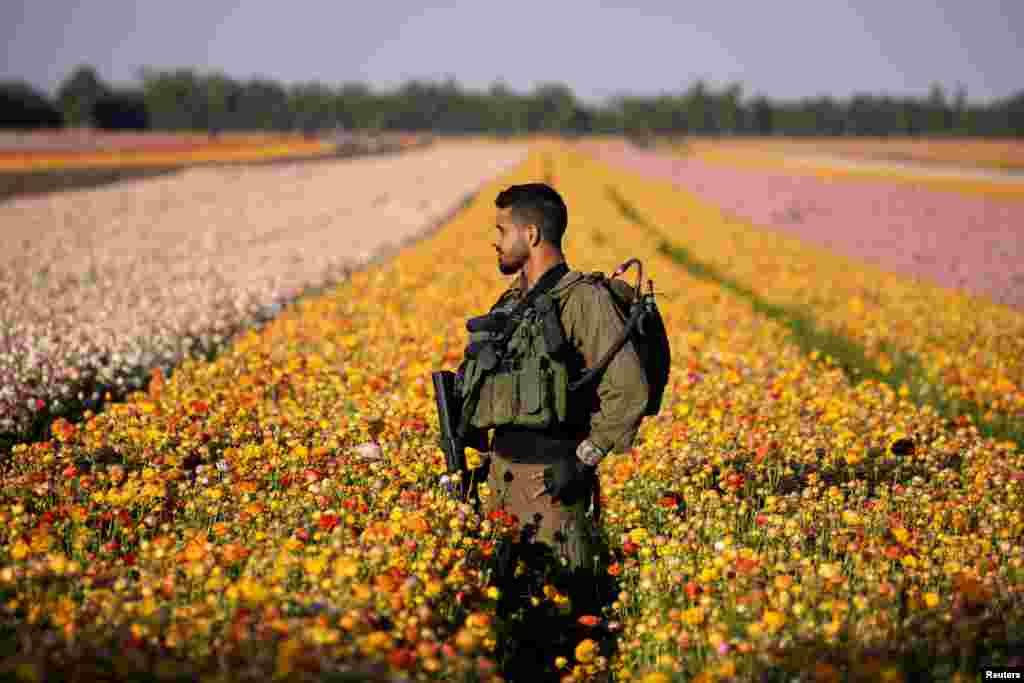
x,y
546,476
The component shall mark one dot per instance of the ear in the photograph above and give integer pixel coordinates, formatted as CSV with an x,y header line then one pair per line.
x,y
533,234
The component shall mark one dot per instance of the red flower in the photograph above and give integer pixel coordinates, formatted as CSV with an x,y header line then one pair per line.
x,y
745,566
670,500
401,658
327,522
589,620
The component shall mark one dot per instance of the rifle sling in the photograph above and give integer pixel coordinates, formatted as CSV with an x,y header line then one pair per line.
x,y
634,316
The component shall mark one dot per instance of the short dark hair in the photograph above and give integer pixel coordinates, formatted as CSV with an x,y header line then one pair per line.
x,y
539,204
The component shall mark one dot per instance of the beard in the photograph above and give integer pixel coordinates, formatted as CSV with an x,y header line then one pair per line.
x,y
508,268
510,263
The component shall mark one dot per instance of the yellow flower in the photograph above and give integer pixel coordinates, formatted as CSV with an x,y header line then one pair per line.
x,y
473,458
773,621
931,599
252,590
694,616
638,535
586,651
656,677
20,550
314,566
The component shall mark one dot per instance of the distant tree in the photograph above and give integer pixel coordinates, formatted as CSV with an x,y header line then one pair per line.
x,y
1014,107
960,109
175,99
78,94
22,106
263,105
183,99
762,115
506,108
222,96
121,110
310,104
729,109
551,107
698,109
940,115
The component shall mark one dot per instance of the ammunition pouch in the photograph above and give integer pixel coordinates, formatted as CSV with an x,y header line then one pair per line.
x,y
520,382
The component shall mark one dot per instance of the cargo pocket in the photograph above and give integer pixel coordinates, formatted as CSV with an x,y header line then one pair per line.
x,y
502,398
534,394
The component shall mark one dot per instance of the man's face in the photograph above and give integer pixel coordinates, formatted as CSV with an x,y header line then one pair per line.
x,y
512,245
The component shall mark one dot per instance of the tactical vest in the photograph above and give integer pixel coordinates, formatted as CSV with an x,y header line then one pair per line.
x,y
523,381
515,369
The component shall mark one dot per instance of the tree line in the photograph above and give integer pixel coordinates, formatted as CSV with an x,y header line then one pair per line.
x,y
184,99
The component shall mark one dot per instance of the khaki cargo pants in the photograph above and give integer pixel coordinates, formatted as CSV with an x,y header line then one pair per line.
x,y
565,527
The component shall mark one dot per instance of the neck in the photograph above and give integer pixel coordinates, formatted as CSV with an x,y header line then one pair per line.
x,y
534,269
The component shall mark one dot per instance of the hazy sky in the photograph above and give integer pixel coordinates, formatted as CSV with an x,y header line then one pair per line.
x,y
784,48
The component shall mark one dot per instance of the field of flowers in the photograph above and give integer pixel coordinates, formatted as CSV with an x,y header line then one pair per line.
x,y
817,163
784,241
275,510
36,152
969,152
99,286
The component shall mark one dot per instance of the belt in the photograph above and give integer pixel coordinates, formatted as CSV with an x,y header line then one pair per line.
x,y
521,444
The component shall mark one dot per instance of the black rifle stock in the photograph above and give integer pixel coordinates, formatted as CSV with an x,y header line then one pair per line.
x,y
447,401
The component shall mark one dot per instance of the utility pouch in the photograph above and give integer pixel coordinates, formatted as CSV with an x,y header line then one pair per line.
x,y
551,324
533,391
497,401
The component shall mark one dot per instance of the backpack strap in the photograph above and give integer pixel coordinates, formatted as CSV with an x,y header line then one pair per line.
x,y
631,322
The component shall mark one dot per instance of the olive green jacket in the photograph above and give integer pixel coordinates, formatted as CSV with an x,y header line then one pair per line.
x,y
614,403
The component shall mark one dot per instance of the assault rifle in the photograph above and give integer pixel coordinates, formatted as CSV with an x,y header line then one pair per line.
x,y
446,399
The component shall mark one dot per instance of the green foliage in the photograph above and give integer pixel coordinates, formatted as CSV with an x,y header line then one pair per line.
x,y
184,99
78,94
22,106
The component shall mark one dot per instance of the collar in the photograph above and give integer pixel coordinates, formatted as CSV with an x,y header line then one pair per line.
x,y
568,277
